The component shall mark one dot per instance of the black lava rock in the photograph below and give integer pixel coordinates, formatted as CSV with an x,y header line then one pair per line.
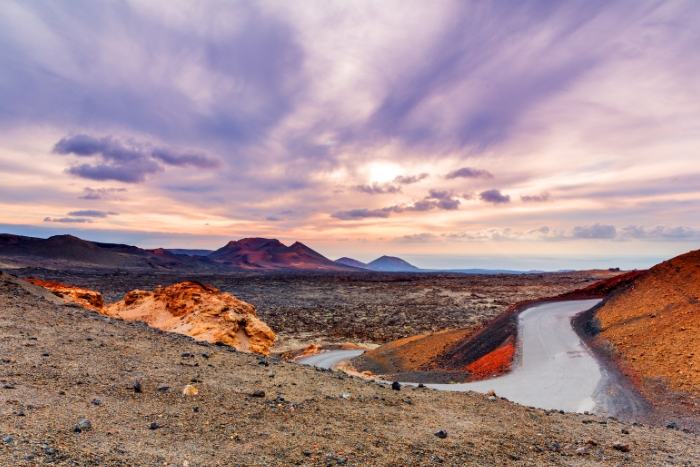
x,y
258,393
442,434
137,387
396,386
83,425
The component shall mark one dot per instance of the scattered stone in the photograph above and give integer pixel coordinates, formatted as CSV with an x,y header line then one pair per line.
x,y
491,393
345,395
50,451
492,398
672,426
442,434
137,387
83,425
190,390
625,431
582,451
96,401
396,386
271,375
421,385
154,426
163,388
6,439
258,393
622,447
187,355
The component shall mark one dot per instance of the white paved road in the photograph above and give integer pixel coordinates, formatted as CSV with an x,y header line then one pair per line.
x,y
553,369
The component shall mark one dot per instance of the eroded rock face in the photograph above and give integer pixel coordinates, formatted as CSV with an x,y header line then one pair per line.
x,y
200,311
87,298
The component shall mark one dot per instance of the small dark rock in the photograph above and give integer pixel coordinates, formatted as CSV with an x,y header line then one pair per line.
x,y
258,393
672,426
625,431
271,375
46,354
137,387
96,401
186,355
622,447
421,385
83,425
396,386
306,453
205,355
195,409
163,388
50,451
442,434
154,426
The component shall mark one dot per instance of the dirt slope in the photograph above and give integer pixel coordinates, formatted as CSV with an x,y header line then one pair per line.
x,y
654,325
197,310
61,365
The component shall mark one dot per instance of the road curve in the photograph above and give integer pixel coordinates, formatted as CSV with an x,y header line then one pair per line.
x,y
553,367
330,359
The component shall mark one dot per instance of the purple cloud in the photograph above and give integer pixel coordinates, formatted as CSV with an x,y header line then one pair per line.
x,y
494,196
408,180
92,213
376,188
99,193
358,214
595,231
125,162
68,220
541,198
469,172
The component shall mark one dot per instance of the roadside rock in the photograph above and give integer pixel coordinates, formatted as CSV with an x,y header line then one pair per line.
x,y
200,311
87,298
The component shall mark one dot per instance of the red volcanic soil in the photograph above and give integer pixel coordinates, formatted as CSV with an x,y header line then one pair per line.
x,y
87,298
474,354
493,364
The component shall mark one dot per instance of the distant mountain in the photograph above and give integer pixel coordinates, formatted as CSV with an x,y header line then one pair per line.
x,y
184,251
351,262
265,253
62,251
391,264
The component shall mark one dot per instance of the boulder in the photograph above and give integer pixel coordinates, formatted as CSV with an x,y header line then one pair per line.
x,y
200,311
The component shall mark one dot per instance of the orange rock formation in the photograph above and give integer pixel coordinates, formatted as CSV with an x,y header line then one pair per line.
x,y
200,311
655,324
87,298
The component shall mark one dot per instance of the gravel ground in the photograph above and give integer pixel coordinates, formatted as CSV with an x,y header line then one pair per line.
x,y
60,365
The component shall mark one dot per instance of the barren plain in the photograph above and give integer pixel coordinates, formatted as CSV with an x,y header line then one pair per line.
x,y
334,308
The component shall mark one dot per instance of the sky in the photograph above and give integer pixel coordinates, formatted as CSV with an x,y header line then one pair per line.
x,y
449,132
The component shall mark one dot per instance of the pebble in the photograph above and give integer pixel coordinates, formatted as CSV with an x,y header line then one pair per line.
x,y
190,390
163,388
83,425
622,447
271,375
154,426
137,386
6,439
442,434
258,393
672,426
96,401
396,386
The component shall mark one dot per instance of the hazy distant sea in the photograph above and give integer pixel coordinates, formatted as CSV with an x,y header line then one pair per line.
x,y
532,262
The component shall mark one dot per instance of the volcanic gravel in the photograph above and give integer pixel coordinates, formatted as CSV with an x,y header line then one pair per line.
x,y
68,396
351,307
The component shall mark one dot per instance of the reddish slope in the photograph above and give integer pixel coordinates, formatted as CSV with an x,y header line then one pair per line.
x,y
264,253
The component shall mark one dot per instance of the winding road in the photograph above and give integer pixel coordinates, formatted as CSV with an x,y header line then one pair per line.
x,y
553,368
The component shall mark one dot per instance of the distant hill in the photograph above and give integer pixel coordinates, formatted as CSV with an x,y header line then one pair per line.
x,y
391,264
183,251
62,251
265,253
352,262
